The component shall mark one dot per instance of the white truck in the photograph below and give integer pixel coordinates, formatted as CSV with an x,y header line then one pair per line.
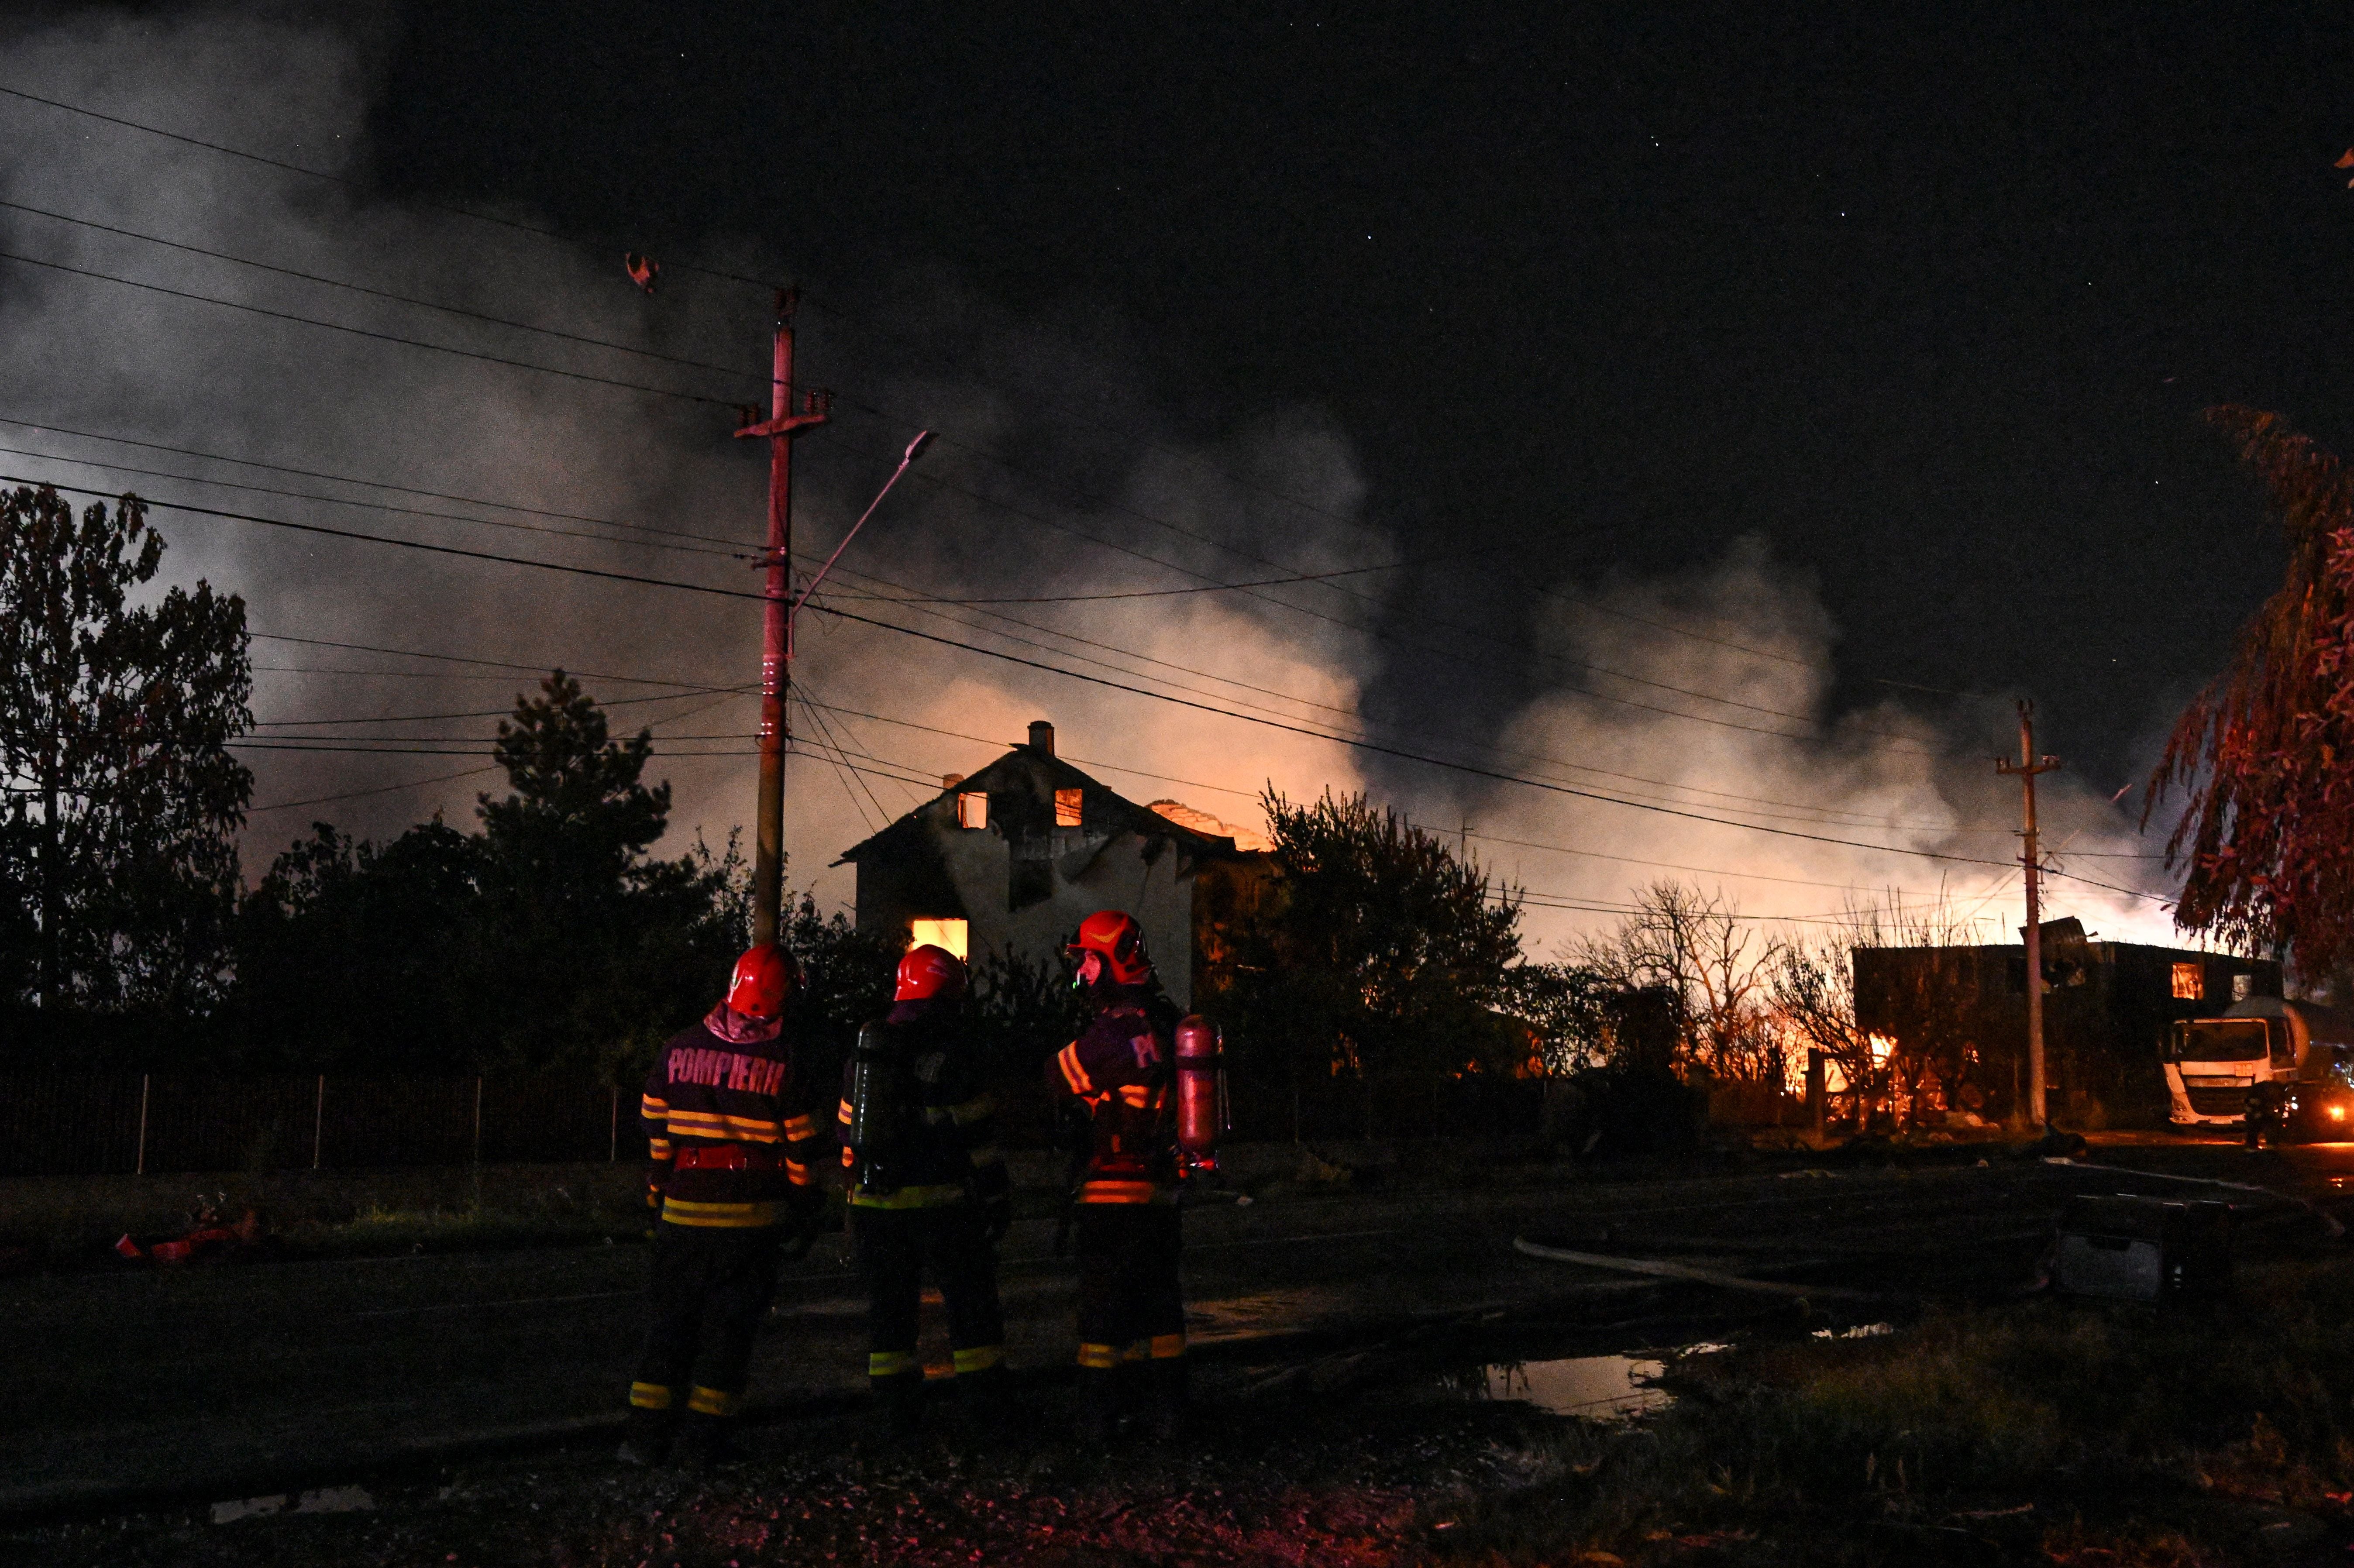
x,y
2212,1063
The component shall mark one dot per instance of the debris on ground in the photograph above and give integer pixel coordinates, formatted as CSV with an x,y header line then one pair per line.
x,y
209,1236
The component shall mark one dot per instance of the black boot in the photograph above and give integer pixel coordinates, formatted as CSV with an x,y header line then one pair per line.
x,y
707,1442
1099,1403
899,1402
985,1399
1165,1399
646,1437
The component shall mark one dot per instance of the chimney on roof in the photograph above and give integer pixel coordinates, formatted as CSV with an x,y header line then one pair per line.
x,y
950,781
1042,736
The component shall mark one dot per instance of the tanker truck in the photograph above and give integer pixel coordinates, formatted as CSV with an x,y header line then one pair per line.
x,y
2308,1049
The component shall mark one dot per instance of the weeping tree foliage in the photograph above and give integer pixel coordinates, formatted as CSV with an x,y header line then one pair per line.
x,y
118,795
2265,756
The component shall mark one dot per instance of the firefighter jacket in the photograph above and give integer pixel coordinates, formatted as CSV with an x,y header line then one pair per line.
x,y
728,1127
1120,1072
945,1125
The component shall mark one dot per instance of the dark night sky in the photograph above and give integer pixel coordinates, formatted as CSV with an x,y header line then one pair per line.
x,y
1929,298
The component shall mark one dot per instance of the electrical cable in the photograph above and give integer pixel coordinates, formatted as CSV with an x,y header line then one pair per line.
x,y
735,370
638,578
516,227
369,483
1399,753
380,789
455,211
1442,650
378,336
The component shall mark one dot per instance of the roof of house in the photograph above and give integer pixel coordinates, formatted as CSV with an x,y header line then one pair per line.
x,y
1201,833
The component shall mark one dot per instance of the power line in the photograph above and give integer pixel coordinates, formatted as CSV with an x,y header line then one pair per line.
x,y
1377,748
735,370
1811,813
1325,579
700,587
456,659
367,332
370,483
513,226
706,545
1243,482
108,467
380,789
1440,649
484,217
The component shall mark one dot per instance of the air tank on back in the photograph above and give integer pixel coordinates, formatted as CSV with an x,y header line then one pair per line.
x,y
1201,1089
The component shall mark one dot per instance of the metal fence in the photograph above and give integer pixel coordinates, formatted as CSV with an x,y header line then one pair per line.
x,y
54,1124
58,1124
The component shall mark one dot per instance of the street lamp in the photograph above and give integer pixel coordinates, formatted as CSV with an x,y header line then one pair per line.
x,y
775,721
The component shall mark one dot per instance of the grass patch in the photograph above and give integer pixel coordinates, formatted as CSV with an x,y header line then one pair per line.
x,y
73,1221
2051,1430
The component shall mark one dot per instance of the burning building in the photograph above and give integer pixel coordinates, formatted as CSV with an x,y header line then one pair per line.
x,y
1007,860
1956,1017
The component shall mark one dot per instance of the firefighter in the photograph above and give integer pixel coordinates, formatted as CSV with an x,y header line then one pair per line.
x,y
1117,1074
2264,1114
731,1137
927,1188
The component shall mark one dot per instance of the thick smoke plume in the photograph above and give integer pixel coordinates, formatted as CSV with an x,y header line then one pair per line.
x,y
99,357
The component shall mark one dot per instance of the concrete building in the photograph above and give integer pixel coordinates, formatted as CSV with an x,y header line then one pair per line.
x,y
1009,859
2106,1010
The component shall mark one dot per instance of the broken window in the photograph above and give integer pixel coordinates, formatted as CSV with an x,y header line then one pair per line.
x,y
972,810
1066,807
948,934
2189,982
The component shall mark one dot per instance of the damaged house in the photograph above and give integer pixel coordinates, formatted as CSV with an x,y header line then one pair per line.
x,y
1956,1016
1008,861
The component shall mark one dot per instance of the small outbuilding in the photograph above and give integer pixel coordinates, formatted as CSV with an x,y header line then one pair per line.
x,y
1009,859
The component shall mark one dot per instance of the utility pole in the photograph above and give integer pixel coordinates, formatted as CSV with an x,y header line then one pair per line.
x,y
2026,769
785,422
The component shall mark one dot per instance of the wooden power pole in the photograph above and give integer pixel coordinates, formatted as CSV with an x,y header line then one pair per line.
x,y
784,421
2026,770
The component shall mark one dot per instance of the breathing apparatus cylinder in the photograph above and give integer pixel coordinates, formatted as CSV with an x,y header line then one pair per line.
x,y
872,1137
1201,1086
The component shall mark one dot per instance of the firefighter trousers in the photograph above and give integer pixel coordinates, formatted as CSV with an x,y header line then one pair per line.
x,y
1131,1304
710,1290
895,1248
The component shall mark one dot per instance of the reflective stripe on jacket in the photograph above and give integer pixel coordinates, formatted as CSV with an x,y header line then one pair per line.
x,y
708,1090
1119,1069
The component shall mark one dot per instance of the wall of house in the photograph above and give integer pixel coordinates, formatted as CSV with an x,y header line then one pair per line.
x,y
945,871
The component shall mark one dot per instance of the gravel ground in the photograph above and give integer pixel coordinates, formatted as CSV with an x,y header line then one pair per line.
x,y
1307,1481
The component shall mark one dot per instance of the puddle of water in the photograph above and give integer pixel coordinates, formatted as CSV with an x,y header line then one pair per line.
x,y
1592,1388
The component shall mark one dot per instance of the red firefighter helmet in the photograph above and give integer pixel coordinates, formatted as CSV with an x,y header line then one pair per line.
x,y
764,978
1119,940
928,972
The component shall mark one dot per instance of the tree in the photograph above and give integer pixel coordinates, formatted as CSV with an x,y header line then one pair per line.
x,y
116,853
588,950
1695,949
552,940
1570,1011
1924,1002
2264,755
1378,950
355,956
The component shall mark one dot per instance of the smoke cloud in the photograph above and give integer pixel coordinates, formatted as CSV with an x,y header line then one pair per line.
x,y
1003,508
